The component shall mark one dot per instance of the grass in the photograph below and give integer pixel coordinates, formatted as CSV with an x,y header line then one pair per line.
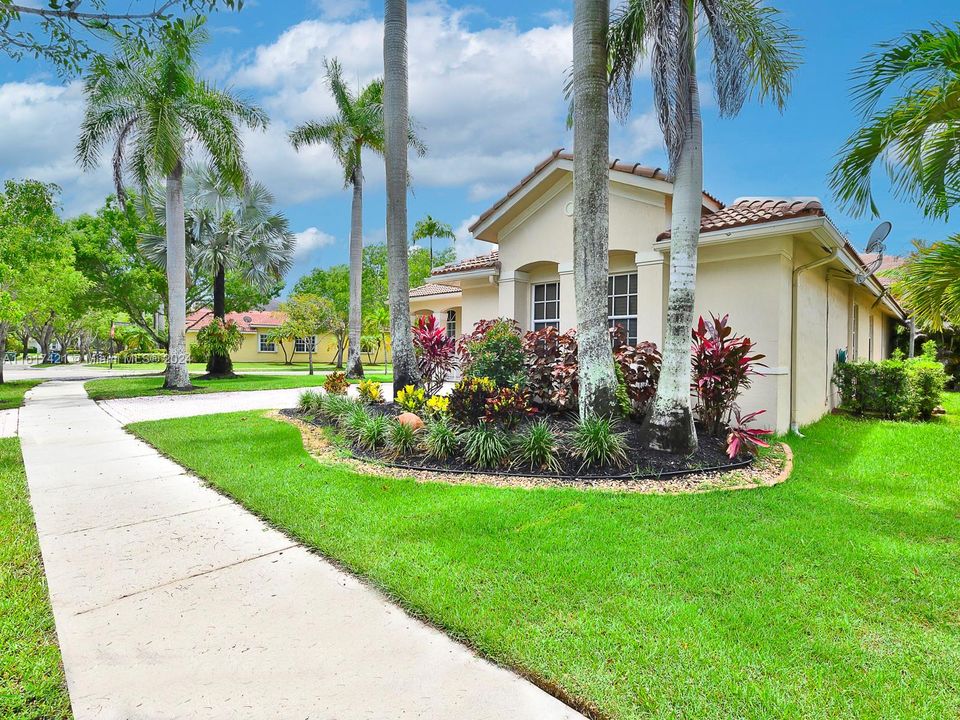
x,y
32,686
834,595
12,392
244,367
149,385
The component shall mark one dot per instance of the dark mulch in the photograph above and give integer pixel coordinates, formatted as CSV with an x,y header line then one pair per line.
x,y
644,461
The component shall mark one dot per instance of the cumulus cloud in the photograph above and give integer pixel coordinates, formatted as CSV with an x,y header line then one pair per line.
x,y
467,246
310,240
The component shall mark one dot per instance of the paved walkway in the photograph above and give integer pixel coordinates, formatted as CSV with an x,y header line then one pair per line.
x,y
172,602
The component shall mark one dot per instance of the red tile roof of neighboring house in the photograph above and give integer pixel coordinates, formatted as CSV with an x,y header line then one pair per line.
x,y
480,262
247,321
433,289
889,262
754,211
632,168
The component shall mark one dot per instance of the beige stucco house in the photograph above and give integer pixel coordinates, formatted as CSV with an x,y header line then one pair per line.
x,y
779,268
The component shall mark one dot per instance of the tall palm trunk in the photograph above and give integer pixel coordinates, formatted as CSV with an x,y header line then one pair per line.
x,y
591,220
177,377
671,418
219,365
354,365
396,135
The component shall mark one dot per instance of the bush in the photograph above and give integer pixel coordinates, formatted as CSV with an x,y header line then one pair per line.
x,y
438,405
412,399
440,438
219,337
494,350
508,407
638,369
310,403
335,408
927,381
402,438
486,446
370,392
197,353
894,389
353,420
550,364
336,383
468,399
435,352
537,448
723,367
372,433
596,442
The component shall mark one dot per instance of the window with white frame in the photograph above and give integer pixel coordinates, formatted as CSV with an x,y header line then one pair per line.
x,y
305,345
855,334
622,304
451,323
870,338
266,344
546,305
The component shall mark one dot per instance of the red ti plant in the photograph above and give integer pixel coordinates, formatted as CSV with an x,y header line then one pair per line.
x,y
639,367
550,364
723,367
435,352
742,438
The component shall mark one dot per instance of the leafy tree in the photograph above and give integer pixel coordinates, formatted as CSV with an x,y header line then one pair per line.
x,y
916,137
753,53
333,285
309,315
154,106
429,228
375,281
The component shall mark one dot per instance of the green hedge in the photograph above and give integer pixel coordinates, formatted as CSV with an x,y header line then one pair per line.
x,y
895,388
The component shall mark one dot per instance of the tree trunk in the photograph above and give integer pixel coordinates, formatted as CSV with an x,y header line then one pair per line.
x,y
396,134
220,366
671,418
591,218
4,329
177,376
354,364
310,357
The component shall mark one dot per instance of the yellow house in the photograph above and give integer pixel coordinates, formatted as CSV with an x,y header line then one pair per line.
x,y
779,267
256,325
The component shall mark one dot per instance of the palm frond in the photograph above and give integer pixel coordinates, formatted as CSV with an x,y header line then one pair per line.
x,y
929,284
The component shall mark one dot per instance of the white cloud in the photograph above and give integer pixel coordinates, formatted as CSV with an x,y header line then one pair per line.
x,y
467,246
644,135
310,240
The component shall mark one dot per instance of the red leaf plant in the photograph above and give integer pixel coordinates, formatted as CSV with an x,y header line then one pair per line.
x,y
435,352
745,439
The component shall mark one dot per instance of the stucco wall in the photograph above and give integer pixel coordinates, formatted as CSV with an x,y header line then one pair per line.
x,y
250,350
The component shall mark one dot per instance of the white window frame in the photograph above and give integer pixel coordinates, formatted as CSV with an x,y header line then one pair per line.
x,y
870,338
451,323
613,319
300,345
855,334
265,344
544,321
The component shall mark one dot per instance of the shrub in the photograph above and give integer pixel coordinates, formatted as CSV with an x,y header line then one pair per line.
x,y
508,407
373,432
402,438
596,442
486,446
197,353
723,367
494,350
438,405
310,403
353,420
550,364
220,338
638,368
440,438
370,392
537,448
412,399
468,399
435,352
336,383
895,388
927,381
745,439
335,408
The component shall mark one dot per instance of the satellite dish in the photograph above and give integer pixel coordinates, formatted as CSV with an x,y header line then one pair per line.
x,y
875,246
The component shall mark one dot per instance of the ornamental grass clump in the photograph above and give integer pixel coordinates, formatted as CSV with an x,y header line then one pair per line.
x,y
402,439
354,421
373,432
596,442
440,439
486,446
537,448
335,408
310,403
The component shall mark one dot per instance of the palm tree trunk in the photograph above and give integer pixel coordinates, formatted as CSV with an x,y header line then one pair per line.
x,y
220,365
396,134
671,418
4,329
591,219
177,377
354,364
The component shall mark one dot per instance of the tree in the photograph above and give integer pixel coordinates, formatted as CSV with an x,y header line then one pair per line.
x,y
228,231
332,284
928,283
591,216
377,324
375,275
396,136
916,138
429,228
154,105
754,53
308,315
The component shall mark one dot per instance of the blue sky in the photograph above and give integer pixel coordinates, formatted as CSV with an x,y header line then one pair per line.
x,y
486,81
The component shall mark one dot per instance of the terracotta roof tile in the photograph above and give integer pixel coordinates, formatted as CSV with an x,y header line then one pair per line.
x,y
247,321
754,211
433,289
480,262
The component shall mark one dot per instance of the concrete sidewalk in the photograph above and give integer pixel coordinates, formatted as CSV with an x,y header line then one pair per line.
x,y
172,602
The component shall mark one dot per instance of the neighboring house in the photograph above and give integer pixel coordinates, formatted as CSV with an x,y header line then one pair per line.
x,y
779,268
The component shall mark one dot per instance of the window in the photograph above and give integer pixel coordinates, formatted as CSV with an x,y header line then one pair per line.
x,y
854,334
622,303
303,345
451,323
870,339
546,305
266,344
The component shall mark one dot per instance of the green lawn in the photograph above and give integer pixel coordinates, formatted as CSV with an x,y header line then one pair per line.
x,y
12,392
32,685
834,595
127,387
244,367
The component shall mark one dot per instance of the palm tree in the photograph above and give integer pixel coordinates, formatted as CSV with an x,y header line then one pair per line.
x,y
591,198
397,132
917,136
429,228
154,108
228,231
928,283
753,53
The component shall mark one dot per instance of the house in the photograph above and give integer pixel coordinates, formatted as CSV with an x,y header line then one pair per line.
x,y
779,267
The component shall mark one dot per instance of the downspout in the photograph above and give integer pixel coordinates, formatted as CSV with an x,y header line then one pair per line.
x,y
794,426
